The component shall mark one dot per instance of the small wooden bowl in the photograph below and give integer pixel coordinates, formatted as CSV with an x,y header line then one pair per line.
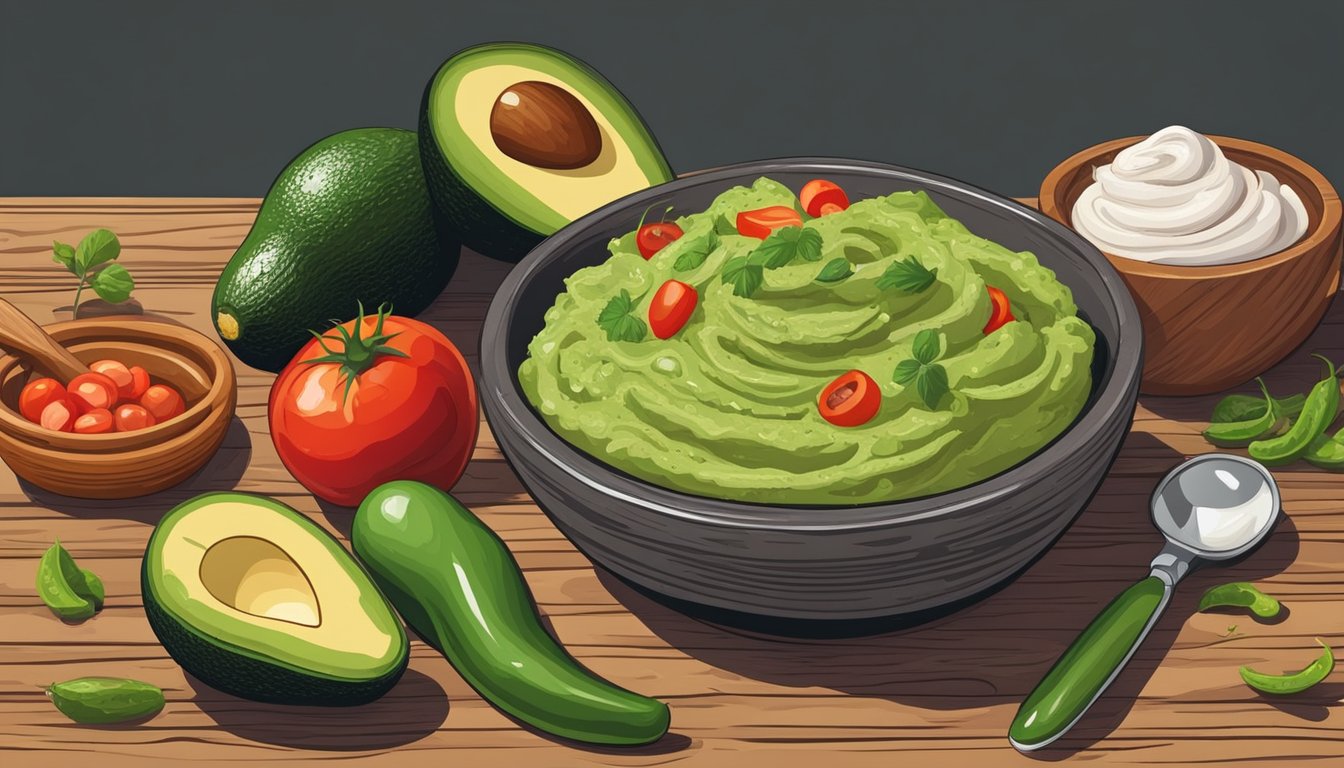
x,y
1210,328
120,465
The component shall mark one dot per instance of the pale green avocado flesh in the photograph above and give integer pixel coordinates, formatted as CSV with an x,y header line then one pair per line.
x,y
728,407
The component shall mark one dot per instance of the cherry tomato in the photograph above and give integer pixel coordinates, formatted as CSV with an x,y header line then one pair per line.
x,y
37,394
820,197
59,416
671,307
762,221
94,422
1001,312
139,382
347,420
852,399
130,417
90,391
652,238
162,402
119,374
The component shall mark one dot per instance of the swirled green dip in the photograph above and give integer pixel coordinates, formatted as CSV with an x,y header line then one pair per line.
x,y
727,407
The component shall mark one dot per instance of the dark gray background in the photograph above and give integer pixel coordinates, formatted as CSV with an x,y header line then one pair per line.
x,y
185,98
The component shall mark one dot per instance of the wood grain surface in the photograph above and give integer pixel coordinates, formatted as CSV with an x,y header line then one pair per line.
x,y
941,694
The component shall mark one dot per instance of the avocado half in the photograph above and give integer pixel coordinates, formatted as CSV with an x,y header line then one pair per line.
x,y
347,221
254,599
497,204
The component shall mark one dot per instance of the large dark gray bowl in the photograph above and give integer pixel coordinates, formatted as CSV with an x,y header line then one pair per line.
x,y
783,568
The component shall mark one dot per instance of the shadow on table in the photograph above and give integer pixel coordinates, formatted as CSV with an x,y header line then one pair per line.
x,y
995,651
416,707
221,473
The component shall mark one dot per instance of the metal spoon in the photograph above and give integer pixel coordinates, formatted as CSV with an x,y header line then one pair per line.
x,y
1211,509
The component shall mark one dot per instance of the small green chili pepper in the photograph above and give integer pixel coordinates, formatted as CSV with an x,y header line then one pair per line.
x,y
69,598
1240,594
100,700
1320,409
1235,434
1294,682
1247,407
1327,452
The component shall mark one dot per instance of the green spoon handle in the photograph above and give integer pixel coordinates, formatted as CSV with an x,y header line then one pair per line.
x,y
1089,665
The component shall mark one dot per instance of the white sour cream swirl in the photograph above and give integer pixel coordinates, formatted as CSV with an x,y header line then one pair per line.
x,y
1174,198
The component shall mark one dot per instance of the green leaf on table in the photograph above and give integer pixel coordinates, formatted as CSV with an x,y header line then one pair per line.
x,y
113,284
618,320
97,247
835,270
745,277
786,244
908,276
63,254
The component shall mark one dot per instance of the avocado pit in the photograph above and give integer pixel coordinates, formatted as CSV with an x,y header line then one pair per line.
x,y
544,125
256,577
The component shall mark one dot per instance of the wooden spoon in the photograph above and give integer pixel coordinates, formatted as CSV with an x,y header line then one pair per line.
x,y
25,338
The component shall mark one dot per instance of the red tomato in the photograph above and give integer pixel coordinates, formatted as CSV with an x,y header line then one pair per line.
x,y
130,417
94,422
119,374
652,238
671,307
352,417
1001,312
852,399
162,402
139,382
37,395
59,416
90,391
820,197
762,221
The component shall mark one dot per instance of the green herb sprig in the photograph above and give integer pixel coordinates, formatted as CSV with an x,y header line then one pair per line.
x,y
619,321
747,273
836,269
695,253
929,377
907,276
92,262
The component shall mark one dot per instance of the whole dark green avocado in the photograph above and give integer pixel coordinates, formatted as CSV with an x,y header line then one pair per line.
x,y
347,221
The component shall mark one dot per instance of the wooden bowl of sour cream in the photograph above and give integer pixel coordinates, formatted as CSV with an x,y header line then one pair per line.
x,y
1208,328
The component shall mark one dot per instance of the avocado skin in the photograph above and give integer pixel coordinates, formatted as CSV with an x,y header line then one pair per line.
x,y
362,231
459,208
254,679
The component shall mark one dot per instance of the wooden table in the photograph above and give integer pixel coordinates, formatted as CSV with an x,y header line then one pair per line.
x,y
938,695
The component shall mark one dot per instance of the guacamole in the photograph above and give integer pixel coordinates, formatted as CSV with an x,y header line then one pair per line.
x,y
731,405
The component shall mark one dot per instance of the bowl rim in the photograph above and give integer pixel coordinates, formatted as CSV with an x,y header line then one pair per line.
x,y
503,400
14,425
1052,189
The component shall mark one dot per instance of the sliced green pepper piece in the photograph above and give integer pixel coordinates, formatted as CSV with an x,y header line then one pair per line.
x,y
1327,452
1247,407
1240,594
1236,434
1319,411
101,700
56,590
1293,682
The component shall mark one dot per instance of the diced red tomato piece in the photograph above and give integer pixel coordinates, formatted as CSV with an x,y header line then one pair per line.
x,y
163,402
139,382
851,400
90,391
37,395
671,307
59,416
131,416
654,237
94,422
1001,312
118,373
820,197
762,221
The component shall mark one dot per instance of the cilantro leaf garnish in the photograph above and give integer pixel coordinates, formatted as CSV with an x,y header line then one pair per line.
x,y
836,269
745,277
929,377
93,263
696,253
618,320
908,276
786,244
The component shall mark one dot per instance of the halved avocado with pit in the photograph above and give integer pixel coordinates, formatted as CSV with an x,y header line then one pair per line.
x,y
255,599
518,140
